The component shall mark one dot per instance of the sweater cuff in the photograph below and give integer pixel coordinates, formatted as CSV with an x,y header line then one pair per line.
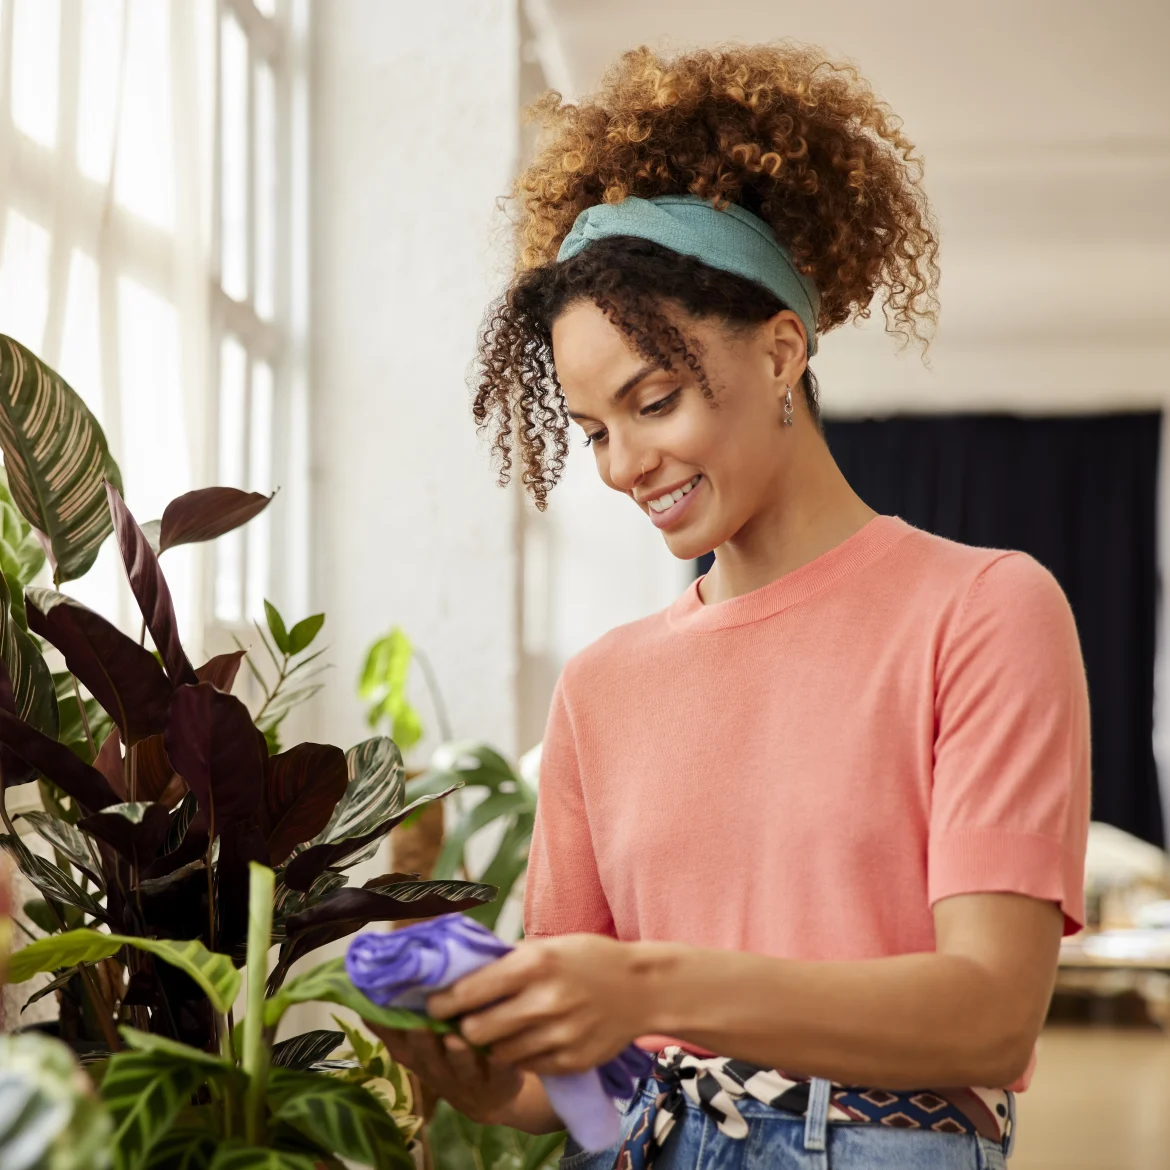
x,y
987,861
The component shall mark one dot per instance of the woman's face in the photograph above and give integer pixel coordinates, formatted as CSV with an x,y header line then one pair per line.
x,y
701,469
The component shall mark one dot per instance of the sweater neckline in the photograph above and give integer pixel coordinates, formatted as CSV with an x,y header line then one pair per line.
x,y
875,537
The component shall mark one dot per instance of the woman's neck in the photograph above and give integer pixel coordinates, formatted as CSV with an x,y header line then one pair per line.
x,y
812,510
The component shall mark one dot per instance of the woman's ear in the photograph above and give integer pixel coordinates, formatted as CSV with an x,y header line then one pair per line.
x,y
788,347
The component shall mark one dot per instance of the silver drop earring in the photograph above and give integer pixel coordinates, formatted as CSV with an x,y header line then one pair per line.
x,y
788,406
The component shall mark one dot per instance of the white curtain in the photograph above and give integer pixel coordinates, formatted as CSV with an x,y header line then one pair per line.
x,y
106,136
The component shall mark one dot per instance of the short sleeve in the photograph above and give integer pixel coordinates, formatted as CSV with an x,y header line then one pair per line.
x,y
563,892
1010,800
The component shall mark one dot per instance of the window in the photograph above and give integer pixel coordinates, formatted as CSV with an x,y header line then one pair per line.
x,y
153,160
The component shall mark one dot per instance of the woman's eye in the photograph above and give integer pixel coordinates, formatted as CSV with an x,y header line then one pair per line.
x,y
594,439
662,403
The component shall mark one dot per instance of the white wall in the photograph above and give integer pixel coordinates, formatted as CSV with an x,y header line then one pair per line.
x,y
415,134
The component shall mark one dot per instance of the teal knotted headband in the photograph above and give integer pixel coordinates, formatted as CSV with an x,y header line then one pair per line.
x,y
732,240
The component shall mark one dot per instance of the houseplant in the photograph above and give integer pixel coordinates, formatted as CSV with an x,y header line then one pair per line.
x,y
159,786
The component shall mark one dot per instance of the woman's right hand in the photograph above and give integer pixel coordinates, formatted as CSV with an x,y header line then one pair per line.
x,y
478,1086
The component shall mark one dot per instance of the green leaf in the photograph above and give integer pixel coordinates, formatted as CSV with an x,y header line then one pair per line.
x,y
33,693
183,1148
50,987
542,1149
302,634
144,1092
56,457
68,840
36,910
51,880
363,1049
299,1052
214,973
342,1117
150,1042
474,764
495,806
328,983
510,861
383,685
373,792
276,628
233,1156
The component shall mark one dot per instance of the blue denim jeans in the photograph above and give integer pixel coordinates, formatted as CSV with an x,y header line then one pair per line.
x,y
779,1140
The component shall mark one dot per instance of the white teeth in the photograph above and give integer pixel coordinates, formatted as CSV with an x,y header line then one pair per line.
x,y
672,498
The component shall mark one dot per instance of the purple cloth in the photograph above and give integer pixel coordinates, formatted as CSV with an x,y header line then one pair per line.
x,y
403,967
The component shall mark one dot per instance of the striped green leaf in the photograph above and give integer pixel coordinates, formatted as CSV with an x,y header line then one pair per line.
x,y
56,458
182,1148
51,880
144,1092
213,972
150,1042
232,1156
342,1117
328,983
373,793
67,840
34,696
21,554
300,1052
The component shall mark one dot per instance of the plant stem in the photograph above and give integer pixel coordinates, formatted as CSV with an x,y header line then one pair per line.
x,y
280,679
142,634
255,1055
84,715
210,879
436,694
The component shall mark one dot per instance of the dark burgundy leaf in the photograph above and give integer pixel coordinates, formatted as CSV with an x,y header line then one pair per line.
x,y
221,670
354,908
212,743
109,763
305,868
150,589
239,844
124,677
136,831
152,770
56,763
301,788
141,990
207,513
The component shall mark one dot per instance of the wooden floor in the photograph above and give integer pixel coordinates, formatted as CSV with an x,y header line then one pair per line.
x,y
1100,1100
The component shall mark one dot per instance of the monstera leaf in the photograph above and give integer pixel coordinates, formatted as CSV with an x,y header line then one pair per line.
x,y
56,458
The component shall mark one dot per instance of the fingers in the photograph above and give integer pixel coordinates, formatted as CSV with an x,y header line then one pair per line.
x,y
502,979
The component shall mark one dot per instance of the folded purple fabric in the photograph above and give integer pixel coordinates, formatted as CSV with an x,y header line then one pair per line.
x,y
403,967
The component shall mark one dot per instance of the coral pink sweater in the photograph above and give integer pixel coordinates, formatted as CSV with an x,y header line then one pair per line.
x,y
803,771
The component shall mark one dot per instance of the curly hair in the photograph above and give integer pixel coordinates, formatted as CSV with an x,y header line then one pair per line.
x,y
801,141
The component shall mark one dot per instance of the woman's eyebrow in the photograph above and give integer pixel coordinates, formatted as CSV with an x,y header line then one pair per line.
x,y
624,389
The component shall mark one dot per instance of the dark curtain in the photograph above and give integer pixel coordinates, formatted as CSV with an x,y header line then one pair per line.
x,y
1079,494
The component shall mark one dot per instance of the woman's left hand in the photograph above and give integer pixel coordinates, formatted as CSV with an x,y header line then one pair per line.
x,y
552,1006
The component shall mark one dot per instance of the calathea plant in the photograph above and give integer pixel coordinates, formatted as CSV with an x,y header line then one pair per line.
x,y
154,816
251,1104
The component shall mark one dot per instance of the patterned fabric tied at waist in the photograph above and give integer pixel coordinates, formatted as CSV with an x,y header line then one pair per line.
x,y
716,1083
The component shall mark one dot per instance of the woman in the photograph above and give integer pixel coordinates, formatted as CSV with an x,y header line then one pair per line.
x,y
813,833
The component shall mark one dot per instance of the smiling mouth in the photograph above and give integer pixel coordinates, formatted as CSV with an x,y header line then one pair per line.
x,y
669,499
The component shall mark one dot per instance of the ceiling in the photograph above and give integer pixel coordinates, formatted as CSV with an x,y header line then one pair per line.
x,y
1007,72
